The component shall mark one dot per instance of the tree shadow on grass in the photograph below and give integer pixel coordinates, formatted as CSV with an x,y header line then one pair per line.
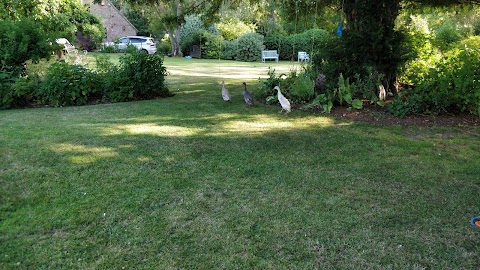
x,y
193,180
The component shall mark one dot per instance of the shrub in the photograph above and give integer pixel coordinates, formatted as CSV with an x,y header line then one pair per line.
x,y
344,93
407,102
229,50
302,89
310,41
24,90
250,47
450,85
446,35
103,64
366,86
191,33
6,94
280,43
87,42
117,88
143,75
296,87
421,53
193,39
67,85
212,45
109,49
267,85
476,27
131,49
272,81
21,41
164,46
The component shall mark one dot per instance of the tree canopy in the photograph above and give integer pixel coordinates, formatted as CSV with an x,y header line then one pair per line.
x,y
65,17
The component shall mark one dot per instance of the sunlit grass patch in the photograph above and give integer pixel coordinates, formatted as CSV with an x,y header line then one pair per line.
x,y
266,123
151,129
82,153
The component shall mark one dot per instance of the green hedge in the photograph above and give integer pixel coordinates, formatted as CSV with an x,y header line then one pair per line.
x,y
311,41
139,76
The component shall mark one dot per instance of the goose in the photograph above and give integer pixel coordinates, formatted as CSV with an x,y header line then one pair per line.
x,y
283,100
225,93
247,95
382,94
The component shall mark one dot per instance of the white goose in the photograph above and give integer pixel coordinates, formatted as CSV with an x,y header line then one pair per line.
x,y
283,100
225,93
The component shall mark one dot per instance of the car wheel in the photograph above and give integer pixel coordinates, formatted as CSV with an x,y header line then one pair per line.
x,y
144,51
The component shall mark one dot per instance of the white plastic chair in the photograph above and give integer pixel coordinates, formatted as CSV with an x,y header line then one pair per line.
x,y
303,56
71,51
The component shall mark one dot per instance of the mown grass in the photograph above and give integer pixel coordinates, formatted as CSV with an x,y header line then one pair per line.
x,y
191,182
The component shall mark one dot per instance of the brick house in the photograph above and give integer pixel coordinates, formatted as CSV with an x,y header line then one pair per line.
x,y
112,19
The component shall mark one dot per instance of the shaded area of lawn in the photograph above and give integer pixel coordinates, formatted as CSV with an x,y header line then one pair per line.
x,y
191,182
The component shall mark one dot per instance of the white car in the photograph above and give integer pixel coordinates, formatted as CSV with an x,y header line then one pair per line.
x,y
144,44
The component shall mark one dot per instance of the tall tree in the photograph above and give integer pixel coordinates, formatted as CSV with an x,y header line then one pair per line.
x,y
369,38
173,22
62,16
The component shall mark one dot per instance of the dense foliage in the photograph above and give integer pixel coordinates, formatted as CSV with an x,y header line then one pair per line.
x,y
417,54
138,76
249,47
191,32
445,83
233,28
144,76
67,85
288,46
60,18
28,30
19,41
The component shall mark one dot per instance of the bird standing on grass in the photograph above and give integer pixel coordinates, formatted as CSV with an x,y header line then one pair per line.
x,y
247,95
283,100
225,93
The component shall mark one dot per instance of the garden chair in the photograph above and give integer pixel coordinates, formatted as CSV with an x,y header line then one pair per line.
x,y
70,52
196,52
303,56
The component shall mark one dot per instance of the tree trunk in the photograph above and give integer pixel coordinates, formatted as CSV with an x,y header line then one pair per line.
x,y
176,37
370,38
383,12
175,42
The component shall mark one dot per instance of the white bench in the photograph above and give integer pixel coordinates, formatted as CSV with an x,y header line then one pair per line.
x,y
303,56
269,54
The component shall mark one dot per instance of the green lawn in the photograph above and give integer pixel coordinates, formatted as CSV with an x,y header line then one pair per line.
x,y
191,182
